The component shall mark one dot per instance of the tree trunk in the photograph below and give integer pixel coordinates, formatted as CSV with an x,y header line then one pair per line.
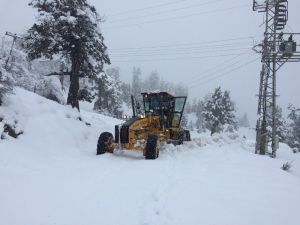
x,y
74,84
214,128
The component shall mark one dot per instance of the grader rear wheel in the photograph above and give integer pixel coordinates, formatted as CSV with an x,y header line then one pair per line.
x,y
183,135
151,149
187,135
105,143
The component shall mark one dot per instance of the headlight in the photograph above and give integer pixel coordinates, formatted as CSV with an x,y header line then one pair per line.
x,y
141,116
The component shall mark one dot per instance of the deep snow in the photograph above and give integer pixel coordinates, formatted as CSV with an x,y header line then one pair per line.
x,y
50,175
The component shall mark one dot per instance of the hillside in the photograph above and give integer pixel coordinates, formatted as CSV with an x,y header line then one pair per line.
x,y
51,175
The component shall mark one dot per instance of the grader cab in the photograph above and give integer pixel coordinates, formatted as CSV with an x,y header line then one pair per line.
x,y
158,122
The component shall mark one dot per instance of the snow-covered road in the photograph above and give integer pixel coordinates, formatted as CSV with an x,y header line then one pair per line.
x,y
51,176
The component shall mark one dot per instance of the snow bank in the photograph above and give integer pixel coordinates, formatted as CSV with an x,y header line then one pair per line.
x,y
50,175
50,127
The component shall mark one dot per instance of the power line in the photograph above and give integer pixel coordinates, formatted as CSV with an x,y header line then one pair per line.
x,y
218,68
179,58
225,73
179,17
275,54
186,48
212,42
164,12
189,52
147,8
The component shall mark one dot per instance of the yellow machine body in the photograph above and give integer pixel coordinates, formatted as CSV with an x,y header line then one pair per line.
x,y
142,127
162,114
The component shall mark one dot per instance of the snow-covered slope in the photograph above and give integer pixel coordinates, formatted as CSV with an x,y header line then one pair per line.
x,y
50,175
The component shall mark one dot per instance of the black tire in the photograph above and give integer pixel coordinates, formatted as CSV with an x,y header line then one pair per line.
x,y
181,137
105,143
187,135
151,149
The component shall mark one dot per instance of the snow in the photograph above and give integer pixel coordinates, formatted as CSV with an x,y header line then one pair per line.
x,y
51,175
191,117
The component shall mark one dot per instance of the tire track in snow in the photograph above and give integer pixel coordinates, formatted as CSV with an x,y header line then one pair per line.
x,y
152,206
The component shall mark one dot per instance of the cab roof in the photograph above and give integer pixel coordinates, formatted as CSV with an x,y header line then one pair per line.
x,y
157,93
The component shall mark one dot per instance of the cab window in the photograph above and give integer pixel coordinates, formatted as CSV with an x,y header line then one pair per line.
x,y
179,104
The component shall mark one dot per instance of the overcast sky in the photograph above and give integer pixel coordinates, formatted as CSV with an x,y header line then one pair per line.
x,y
199,43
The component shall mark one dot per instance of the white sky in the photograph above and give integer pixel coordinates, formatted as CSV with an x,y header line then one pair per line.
x,y
181,39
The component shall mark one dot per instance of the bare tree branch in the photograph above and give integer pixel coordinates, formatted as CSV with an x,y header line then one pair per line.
x,y
58,74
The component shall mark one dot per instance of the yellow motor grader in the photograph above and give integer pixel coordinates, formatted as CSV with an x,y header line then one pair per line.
x,y
159,121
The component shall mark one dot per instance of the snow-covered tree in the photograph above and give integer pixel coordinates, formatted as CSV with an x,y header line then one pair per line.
x,y
281,125
180,90
109,93
184,121
152,82
115,93
218,111
200,123
50,89
126,93
68,29
166,86
293,138
6,85
188,107
30,75
191,126
136,83
194,105
243,121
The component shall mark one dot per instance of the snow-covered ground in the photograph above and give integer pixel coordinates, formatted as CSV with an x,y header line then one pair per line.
x,y
51,175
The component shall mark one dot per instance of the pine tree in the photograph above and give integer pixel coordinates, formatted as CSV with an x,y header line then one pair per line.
x,y
191,126
70,30
109,93
101,84
166,86
30,76
152,83
293,137
200,125
115,94
47,89
218,111
188,107
229,109
181,90
243,121
184,121
281,125
136,83
6,85
126,93
194,105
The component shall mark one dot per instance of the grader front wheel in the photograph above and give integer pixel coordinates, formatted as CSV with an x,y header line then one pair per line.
x,y
184,135
105,143
151,149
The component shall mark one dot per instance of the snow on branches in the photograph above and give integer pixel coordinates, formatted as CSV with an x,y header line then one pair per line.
x,y
218,111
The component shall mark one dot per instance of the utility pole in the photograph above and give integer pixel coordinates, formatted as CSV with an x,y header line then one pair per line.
x,y
277,48
15,37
